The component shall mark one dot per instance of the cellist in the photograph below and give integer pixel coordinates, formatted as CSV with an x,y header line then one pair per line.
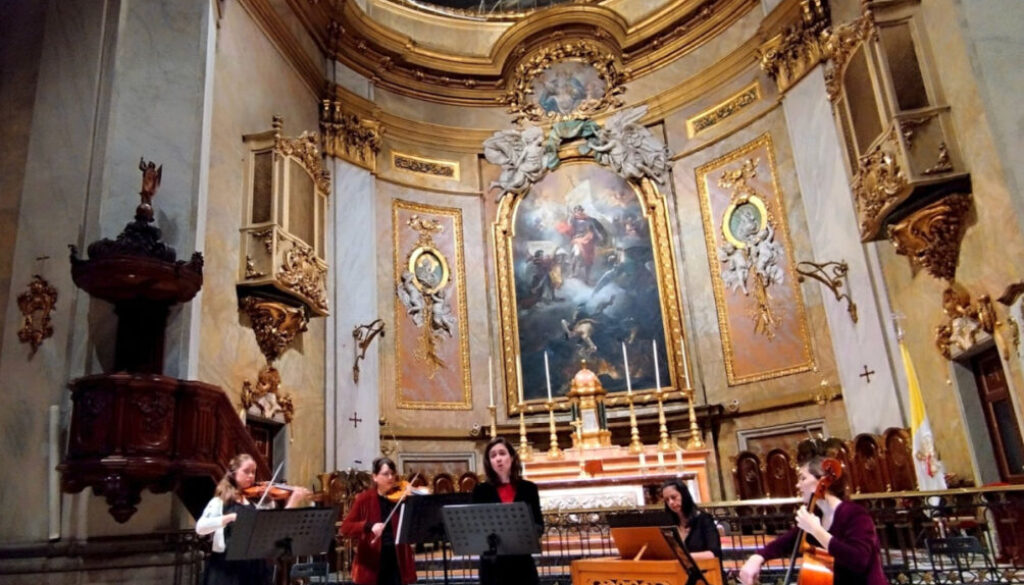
x,y
845,530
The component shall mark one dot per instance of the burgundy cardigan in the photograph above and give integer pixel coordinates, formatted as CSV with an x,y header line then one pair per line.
x,y
364,514
854,546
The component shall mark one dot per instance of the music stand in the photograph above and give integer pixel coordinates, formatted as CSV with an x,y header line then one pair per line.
x,y
281,534
421,521
507,529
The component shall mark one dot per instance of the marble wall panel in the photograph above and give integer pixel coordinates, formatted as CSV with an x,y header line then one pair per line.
x,y
252,83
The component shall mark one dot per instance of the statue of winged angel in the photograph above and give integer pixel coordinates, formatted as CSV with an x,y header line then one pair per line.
x,y
629,148
521,155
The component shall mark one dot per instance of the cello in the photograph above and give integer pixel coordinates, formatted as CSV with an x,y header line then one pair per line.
x,y
816,567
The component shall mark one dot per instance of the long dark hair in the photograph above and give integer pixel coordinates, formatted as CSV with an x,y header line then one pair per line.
x,y
516,471
380,462
689,508
227,489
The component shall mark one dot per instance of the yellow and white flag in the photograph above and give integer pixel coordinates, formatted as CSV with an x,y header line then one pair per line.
x,y
930,473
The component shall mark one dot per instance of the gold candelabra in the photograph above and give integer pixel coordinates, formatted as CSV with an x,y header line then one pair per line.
x,y
553,451
664,444
494,420
635,446
524,447
695,442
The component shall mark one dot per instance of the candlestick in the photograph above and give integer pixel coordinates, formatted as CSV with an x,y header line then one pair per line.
x,y
657,372
686,367
695,442
494,420
635,446
664,444
547,374
553,451
625,363
490,379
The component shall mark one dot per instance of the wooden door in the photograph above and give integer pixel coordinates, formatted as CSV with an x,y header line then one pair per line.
x,y
1000,415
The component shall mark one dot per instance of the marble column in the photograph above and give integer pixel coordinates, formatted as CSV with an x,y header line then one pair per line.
x,y
118,80
353,409
871,406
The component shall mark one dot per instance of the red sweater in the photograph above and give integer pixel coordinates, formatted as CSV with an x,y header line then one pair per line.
x,y
364,514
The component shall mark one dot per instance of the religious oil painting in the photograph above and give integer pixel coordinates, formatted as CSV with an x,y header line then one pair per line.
x,y
431,323
585,253
566,87
760,309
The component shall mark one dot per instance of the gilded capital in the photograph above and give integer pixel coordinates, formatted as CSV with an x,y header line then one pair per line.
x,y
348,136
931,236
788,55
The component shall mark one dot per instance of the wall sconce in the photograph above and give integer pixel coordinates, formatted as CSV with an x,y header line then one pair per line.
x,y
832,274
363,336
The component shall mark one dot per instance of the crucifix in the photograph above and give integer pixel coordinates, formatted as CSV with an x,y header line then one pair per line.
x,y
355,419
866,374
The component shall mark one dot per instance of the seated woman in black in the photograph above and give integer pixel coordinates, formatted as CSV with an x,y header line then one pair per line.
x,y
696,528
505,485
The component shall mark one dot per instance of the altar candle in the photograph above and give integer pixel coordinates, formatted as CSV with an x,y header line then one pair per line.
x,y
547,374
490,378
686,368
519,375
657,373
625,362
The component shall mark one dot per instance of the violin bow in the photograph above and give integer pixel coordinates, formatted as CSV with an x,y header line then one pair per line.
x,y
270,484
398,504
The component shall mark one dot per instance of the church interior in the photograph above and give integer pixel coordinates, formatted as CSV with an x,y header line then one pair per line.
x,y
642,240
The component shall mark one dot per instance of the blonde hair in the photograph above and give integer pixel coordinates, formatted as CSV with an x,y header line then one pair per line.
x,y
227,489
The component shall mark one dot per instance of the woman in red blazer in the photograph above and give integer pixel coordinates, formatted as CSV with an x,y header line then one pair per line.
x,y
379,561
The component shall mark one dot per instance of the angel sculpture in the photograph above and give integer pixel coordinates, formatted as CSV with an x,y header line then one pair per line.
x,y
629,148
411,297
521,156
737,268
766,253
442,319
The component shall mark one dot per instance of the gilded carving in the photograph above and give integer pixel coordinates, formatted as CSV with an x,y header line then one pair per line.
x,y
726,109
909,126
839,44
250,269
942,162
302,272
414,164
750,247
931,236
36,305
423,290
569,98
349,137
879,184
267,237
789,55
266,396
966,320
274,323
306,150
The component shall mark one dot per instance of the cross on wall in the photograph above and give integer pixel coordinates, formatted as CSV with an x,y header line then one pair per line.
x,y
355,419
866,374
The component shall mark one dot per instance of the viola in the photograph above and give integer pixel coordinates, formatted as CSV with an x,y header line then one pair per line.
x,y
817,565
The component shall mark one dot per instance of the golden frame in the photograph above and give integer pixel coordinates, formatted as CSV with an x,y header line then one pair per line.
x,y
772,211
655,209
414,261
727,218
462,314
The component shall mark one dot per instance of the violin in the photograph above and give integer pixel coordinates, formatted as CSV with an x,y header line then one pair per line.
x,y
817,565
398,492
277,492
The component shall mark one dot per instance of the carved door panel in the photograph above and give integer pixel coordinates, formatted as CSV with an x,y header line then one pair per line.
x,y
780,478
1000,415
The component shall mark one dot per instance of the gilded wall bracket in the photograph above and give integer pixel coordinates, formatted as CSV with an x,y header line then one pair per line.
x,y
833,275
348,136
931,236
788,55
36,305
274,323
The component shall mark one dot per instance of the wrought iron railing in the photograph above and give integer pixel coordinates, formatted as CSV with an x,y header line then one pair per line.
x,y
954,536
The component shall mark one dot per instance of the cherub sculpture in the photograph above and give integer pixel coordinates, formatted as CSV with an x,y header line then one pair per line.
x,y
521,156
442,318
737,268
411,297
629,148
